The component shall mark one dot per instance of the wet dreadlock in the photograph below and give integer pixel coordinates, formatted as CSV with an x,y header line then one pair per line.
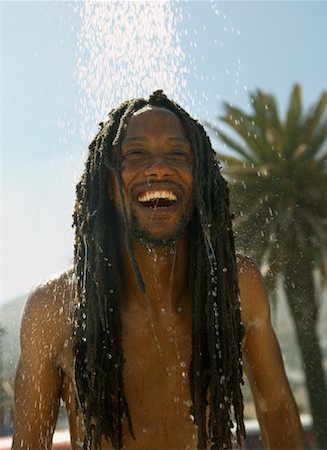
x,y
215,368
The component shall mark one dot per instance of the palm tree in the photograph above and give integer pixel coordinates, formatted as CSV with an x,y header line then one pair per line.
x,y
278,177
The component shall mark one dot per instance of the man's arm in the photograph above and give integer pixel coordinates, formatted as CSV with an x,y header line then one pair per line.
x,y
38,379
276,409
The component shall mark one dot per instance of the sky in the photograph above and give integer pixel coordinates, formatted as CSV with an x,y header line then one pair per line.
x,y
65,64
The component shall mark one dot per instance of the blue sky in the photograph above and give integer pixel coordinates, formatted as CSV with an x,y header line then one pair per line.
x,y
230,49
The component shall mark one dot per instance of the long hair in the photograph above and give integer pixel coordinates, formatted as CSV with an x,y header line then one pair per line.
x,y
215,370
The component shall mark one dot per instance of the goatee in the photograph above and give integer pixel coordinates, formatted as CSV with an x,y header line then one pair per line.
x,y
145,237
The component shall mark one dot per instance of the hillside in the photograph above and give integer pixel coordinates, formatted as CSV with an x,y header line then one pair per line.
x,y
10,318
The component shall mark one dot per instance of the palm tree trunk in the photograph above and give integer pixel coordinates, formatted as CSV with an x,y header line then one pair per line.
x,y
299,287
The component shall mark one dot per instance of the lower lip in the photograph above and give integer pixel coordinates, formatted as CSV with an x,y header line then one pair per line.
x,y
159,211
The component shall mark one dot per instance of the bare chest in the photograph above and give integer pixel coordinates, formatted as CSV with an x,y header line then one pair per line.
x,y
157,355
156,377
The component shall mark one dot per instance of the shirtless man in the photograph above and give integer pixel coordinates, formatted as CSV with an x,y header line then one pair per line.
x,y
142,339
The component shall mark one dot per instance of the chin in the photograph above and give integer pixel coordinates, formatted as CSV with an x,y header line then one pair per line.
x,y
160,238
146,237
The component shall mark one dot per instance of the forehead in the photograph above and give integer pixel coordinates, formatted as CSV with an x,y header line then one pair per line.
x,y
158,121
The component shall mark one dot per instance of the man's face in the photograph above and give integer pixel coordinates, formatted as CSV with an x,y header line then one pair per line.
x,y
157,176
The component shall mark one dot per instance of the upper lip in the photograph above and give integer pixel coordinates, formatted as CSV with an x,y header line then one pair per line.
x,y
157,189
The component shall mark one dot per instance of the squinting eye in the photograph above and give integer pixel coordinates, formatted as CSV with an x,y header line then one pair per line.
x,y
180,154
135,153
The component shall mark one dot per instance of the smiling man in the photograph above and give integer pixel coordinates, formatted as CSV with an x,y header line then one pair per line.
x,y
143,339
157,176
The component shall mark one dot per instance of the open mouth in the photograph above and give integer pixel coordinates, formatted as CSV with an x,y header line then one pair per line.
x,y
157,199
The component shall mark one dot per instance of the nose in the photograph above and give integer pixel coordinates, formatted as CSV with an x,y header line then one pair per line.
x,y
158,168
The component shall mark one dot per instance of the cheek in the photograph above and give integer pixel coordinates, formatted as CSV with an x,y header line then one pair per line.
x,y
189,179
190,183
127,175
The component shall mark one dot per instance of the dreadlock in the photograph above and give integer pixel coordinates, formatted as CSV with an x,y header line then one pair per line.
x,y
215,370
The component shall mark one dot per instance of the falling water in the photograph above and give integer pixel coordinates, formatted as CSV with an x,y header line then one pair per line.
x,y
126,50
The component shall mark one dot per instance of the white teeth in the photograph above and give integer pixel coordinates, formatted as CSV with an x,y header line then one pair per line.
x,y
154,195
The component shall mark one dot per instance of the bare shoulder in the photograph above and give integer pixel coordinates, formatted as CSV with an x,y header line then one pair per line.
x,y
246,266
53,296
253,294
48,311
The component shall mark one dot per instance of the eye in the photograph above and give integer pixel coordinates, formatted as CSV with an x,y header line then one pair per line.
x,y
134,153
180,154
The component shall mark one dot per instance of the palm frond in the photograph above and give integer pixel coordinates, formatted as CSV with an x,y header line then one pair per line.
x,y
233,145
312,120
293,121
318,139
250,130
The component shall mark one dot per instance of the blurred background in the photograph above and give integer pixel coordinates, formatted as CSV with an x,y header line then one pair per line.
x,y
254,72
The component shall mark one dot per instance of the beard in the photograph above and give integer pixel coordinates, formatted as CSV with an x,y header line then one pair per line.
x,y
145,237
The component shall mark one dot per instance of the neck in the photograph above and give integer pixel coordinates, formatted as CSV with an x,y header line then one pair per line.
x,y
164,272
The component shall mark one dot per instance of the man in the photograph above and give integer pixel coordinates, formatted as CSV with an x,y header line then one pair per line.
x,y
142,340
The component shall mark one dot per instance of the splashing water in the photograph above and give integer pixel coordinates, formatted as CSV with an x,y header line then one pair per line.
x,y
126,50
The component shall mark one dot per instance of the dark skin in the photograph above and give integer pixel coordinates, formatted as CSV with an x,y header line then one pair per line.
x,y
156,157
